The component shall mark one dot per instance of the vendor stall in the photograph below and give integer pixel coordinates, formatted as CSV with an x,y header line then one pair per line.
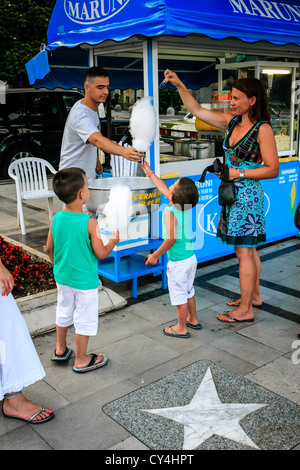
x,y
208,45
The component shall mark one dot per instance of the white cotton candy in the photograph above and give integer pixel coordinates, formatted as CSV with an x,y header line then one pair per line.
x,y
118,211
143,124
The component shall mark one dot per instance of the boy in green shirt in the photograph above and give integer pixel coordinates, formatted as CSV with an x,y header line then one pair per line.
x,y
74,247
182,264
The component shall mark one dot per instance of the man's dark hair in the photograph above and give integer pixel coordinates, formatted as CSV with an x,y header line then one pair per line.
x,y
67,183
185,194
94,72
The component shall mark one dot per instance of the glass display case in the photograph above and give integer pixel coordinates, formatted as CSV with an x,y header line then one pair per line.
x,y
280,80
279,85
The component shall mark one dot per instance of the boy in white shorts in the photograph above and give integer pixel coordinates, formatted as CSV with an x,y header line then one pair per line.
x,y
182,264
74,247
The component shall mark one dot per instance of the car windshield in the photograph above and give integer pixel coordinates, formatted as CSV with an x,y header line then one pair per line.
x,y
70,100
189,117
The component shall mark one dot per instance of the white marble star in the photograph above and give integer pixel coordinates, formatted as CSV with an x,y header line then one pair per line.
x,y
206,415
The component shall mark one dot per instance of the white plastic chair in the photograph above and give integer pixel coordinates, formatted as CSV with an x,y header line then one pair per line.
x,y
30,175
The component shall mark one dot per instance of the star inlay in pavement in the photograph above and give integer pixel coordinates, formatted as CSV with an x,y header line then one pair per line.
x,y
206,415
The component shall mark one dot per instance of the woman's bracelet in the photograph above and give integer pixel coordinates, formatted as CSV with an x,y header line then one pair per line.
x,y
150,173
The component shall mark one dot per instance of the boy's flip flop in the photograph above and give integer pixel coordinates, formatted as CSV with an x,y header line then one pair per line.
x,y
64,357
92,365
195,327
174,334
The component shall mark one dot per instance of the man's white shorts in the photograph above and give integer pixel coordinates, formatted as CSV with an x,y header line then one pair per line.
x,y
78,307
181,276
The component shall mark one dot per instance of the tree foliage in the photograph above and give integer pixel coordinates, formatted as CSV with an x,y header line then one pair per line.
x,y
169,97
23,27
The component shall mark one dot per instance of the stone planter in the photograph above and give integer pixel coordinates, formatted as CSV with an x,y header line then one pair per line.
x,y
39,310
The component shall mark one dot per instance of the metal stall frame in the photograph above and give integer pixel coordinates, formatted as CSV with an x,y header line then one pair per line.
x,y
150,49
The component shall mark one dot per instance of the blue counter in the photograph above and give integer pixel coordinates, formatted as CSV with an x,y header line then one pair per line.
x,y
129,264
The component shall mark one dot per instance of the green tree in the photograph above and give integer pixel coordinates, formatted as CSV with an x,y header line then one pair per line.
x,y
169,97
23,27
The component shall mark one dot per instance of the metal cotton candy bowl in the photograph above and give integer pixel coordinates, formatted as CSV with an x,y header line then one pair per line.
x,y
145,195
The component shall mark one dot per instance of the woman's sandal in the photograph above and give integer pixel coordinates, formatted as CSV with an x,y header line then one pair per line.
x,y
231,318
236,301
32,419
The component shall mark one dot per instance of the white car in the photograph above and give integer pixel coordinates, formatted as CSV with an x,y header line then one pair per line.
x,y
178,128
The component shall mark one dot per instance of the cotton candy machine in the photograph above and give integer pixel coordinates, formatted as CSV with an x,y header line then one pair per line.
x,y
145,195
145,200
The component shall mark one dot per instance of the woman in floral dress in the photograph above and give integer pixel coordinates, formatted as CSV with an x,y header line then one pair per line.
x,y
251,155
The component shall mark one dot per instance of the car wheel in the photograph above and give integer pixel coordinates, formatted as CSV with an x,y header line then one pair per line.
x,y
16,155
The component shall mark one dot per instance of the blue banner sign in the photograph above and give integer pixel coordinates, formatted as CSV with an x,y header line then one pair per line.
x,y
92,21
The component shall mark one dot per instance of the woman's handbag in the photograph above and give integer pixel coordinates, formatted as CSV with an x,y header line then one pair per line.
x,y
226,189
226,193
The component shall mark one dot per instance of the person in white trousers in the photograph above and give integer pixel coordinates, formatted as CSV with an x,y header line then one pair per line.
x,y
20,365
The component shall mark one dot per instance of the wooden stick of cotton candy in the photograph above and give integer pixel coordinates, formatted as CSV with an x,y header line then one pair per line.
x,y
118,210
143,124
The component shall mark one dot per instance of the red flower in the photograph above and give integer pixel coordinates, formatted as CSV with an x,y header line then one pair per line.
x,y
32,274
